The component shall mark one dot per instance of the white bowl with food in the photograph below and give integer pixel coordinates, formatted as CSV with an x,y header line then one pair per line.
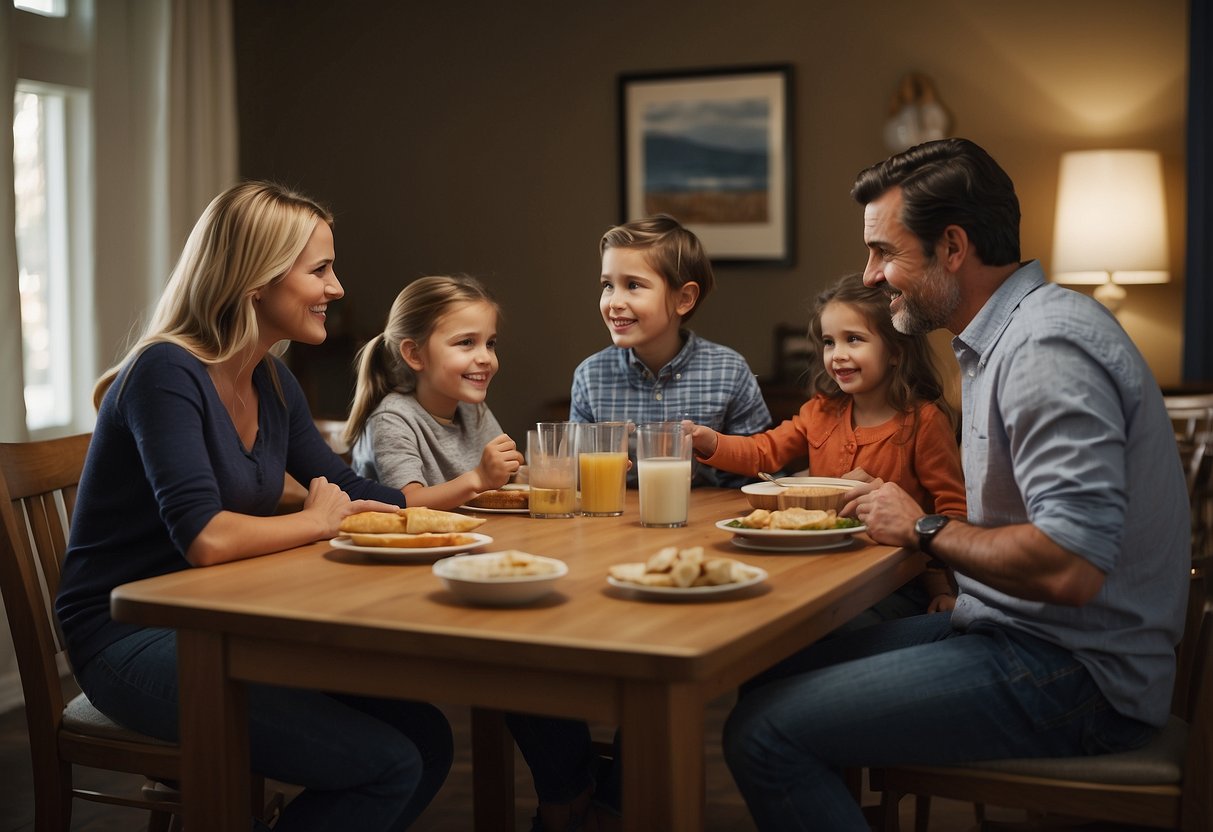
x,y
507,578
817,493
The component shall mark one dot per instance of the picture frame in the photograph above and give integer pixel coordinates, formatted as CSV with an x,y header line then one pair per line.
x,y
712,148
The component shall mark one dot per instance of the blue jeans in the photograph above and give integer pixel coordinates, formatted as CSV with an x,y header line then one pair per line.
x,y
364,763
558,752
909,691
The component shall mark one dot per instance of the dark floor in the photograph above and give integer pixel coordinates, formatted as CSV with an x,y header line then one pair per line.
x,y
451,810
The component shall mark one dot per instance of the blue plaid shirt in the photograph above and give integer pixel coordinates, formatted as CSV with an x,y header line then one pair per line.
x,y
707,383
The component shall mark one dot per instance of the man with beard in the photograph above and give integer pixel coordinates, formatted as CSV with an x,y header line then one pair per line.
x,y
1072,564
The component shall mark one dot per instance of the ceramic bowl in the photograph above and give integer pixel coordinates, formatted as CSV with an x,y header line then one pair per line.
x,y
820,493
471,579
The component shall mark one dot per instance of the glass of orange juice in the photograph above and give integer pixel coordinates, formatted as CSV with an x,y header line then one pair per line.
x,y
602,458
552,469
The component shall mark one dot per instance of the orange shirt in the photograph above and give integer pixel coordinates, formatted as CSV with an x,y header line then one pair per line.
x,y
927,467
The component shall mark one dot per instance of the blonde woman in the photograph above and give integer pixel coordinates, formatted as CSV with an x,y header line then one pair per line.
x,y
195,428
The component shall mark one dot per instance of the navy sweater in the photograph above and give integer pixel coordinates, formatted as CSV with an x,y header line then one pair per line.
x,y
164,459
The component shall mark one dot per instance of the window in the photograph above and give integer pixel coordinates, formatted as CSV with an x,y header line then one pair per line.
x,y
39,166
51,151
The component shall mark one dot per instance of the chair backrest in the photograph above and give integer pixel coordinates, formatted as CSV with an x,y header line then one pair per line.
x,y
1192,420
37,497
333,431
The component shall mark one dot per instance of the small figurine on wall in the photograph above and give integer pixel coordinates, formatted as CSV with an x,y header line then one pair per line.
x,y
915,114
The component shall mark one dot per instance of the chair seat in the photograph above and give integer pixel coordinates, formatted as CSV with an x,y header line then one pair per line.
x,y
1158,762
81,717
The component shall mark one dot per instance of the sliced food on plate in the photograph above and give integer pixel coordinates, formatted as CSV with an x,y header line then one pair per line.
x,y
411,521
794,519
683,568
501,499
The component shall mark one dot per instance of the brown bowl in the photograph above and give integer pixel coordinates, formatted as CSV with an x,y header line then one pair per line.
x,y
819,493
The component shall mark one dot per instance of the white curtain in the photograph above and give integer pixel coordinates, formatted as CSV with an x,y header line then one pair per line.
x,y
12,384
164,111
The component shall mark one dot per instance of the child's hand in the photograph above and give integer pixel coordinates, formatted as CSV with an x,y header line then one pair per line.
x,y
703,438
498,462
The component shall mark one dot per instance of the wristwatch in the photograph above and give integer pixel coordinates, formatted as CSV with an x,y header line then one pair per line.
x,y
927,527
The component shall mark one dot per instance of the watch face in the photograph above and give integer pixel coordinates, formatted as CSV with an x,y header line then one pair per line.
x,y
931,523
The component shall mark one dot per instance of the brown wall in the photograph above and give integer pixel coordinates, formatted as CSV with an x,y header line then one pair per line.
x,y
481,137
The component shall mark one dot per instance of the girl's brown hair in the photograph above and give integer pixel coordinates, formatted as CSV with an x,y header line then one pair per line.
x,y
414,314
913,370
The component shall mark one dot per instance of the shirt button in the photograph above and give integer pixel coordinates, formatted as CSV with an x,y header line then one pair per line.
x,y
658,397
677,375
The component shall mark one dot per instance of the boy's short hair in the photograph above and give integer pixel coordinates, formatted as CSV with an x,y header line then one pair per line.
x,y
671,250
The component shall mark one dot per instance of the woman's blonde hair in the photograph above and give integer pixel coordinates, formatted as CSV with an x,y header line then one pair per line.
x,y
413,316
247,238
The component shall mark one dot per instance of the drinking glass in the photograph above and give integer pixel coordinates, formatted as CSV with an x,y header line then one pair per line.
x,y
602,456
663,460
552,468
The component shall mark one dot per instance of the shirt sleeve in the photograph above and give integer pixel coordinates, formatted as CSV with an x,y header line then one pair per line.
x,y
162,404
766,451
580,408
748,412
309,456
396,450
937,462
1067,445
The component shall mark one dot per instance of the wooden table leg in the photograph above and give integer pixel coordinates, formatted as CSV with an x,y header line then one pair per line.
x,y
214,736
663,767
492,772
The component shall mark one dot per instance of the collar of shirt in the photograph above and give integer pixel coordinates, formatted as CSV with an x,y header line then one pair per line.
x,y
638,374
987,326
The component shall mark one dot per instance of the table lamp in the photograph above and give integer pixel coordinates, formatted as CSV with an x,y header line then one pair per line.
x,y
1110,227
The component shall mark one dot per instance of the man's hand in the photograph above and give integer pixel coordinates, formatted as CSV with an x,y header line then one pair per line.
x,y
889,513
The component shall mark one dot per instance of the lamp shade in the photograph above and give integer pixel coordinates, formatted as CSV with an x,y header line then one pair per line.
x,y
1111,218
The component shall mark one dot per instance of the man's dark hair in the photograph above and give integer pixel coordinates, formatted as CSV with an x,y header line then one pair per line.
x,y
950,182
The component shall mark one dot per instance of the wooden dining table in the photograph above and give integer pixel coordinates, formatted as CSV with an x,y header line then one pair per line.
x,y
329,619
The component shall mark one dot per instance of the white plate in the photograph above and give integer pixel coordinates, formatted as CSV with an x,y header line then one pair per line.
x,y
755,545
415,553
673,593
479,510
788,540
504,591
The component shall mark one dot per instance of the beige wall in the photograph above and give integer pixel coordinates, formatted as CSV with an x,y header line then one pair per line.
x,y
481,137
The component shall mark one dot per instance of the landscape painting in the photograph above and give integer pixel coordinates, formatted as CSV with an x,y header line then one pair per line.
x,y
711,149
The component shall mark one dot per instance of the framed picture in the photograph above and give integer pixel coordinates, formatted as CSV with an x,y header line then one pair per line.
x,y
713,148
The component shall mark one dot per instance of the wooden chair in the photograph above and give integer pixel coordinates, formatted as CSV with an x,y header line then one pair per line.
x,y
37,496
1192,420
1168,784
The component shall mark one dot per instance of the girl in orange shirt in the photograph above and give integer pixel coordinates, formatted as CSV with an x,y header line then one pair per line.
x,y
877,409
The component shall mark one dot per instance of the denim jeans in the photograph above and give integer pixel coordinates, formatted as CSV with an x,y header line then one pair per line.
x,y
558,752
364,763
909,691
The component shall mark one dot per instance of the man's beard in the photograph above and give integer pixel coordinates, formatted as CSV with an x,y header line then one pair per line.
x,y
935,299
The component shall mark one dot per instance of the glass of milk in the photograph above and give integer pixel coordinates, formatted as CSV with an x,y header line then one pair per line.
x,y
663,460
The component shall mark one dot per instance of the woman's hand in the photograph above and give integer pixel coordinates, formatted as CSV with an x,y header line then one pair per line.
x,y
329,505
703,439
499,461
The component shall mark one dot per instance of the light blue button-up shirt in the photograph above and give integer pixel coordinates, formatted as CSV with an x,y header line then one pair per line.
x,y
1065,428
